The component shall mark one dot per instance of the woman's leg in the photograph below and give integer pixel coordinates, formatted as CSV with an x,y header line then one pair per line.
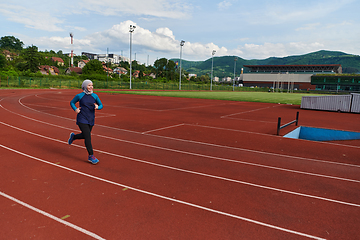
x,y
85,134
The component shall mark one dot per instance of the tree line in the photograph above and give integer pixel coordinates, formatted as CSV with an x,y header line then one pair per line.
x,y
15,60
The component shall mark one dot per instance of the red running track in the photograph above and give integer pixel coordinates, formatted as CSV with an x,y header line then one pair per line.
x,y
173,168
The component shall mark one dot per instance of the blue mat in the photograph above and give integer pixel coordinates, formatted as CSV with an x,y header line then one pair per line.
x,y
322,134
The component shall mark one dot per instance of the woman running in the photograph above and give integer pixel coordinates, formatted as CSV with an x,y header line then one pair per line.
x,y
88,103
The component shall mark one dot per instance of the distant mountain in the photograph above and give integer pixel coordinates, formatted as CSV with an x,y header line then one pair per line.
x,y
224,66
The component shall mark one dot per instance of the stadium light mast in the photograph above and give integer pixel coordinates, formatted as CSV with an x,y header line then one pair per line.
x,y
212,66
181,45
132,28
234,73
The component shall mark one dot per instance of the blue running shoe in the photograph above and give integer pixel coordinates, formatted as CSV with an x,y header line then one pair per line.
x,y
93,159
71,138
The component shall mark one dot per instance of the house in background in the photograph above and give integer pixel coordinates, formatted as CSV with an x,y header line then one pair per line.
x,y
73,69
9,55
136,74
82,63
106,69
152,75
46,70
59,61
192,75
120,70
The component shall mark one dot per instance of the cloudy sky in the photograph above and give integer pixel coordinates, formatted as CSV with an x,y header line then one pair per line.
x,y
255,29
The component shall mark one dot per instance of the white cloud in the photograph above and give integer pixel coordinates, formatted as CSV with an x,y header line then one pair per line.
x,y
224,5
290,11
310,26
339,25
162,40
31,18
163,43
158,8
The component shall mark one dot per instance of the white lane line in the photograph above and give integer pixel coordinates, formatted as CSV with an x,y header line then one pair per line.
x,y
155,110
236,130
249,120
229,129
202,143
93,235
258,152
67,109
46,106
195,142
231,160
197,173
222,159
159,129
125,130
164,110
194,154
253,110
167,198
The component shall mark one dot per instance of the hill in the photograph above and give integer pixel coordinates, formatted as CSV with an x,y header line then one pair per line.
x,y
224,66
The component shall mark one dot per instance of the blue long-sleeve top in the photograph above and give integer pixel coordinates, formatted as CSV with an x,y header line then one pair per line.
x,y
87,107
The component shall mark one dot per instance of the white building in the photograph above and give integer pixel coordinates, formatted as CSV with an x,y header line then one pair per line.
x,y
112,58
226,79
192,75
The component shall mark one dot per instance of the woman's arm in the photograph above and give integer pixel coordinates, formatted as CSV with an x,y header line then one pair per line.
x,y
74,101
98,104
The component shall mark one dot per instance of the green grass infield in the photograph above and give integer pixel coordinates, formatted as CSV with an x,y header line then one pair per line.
x,y
267,97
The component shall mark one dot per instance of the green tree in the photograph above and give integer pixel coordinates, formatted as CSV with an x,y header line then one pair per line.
x,y
2,61
160,67
93,67
11,43
165,68
33,59
125,65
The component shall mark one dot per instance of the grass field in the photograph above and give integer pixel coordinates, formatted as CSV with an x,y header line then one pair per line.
x,y
269,97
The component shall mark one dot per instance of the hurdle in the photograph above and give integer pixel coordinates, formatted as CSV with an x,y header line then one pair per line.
x,y
296,121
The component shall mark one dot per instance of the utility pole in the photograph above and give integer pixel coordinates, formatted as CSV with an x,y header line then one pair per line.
x,y
181,45
132,28
234,73
212,66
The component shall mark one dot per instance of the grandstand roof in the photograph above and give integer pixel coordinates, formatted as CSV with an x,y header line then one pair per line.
x,y
336,68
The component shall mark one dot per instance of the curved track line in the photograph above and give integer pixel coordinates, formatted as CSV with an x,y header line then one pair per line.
x,y
254,110
196,154
231,160
195,173
202,143
167,198
93,235
207,156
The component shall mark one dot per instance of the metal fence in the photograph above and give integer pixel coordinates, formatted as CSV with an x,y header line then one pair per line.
x,y
27,82
355,103
342,103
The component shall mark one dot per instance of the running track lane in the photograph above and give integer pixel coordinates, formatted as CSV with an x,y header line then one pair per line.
x,y
146,170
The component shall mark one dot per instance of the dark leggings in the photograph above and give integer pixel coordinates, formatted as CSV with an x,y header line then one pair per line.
x,y
85,134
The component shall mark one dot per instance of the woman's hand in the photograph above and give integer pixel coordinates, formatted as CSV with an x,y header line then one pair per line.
x,y
96,106
77,110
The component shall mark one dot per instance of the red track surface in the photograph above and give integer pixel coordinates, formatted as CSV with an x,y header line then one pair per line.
x,y
173,168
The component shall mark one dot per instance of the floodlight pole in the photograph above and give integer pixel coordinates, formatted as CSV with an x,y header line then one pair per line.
x,y
212,66
234,73
132,28
181,45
